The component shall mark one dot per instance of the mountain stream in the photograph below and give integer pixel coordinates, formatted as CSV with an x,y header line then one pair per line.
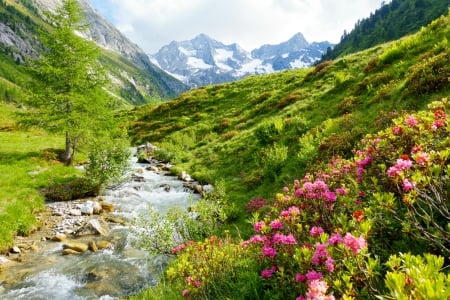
x,y
107,274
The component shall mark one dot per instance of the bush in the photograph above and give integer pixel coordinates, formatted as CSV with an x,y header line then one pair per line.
x,y
107,162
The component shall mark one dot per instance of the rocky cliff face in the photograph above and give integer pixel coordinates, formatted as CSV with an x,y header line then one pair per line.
x,y
146,81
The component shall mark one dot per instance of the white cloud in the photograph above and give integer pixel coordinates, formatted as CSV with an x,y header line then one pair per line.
x,y
250,23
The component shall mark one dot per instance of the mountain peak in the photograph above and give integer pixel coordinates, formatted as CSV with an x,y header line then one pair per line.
x,y
203,60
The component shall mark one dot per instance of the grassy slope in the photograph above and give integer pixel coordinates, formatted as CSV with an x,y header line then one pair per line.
x,y
24,168
304,116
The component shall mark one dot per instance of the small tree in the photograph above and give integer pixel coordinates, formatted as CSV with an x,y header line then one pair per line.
x,y
69,95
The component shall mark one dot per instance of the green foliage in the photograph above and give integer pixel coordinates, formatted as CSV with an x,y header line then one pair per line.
x,y
416,277
160,232
391,21
71,78
272,159
108,160
268,131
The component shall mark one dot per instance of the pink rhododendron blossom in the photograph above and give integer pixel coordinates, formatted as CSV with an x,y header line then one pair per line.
x,y
320,254
313,275
354,243
292,211
279,238
331,197
269,251
438,124
397,130
401,164
267,273
411,121
329,263
298,192
317,290
258,239
285,189
422,158
300,277
408,185
300,298
335,239
341,191
276,225
316,231
258,226
185,293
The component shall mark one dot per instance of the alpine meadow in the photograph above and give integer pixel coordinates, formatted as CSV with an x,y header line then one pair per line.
x,y
328,182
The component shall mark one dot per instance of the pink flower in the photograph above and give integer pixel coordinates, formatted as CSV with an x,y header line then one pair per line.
x,y
422,158
320,254
313,275
279,238
408,185
411,121
257,239
267,273
397,130
316,231
276,225
285,189
317,290
300,298
185,293
298,192
292,211
354,243
329,263
258,226
335,239
331,197
269,251
438,124
300,277
197,283
341,191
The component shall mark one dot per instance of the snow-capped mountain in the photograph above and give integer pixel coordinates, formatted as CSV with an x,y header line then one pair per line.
x,y
203,60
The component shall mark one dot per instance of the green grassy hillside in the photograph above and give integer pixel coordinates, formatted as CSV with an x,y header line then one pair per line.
x,y
260,132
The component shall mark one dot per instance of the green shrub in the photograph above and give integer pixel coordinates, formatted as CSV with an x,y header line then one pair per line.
x,y
268,131
417,277
273,159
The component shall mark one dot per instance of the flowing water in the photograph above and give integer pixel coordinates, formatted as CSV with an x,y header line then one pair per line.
x,y
106,274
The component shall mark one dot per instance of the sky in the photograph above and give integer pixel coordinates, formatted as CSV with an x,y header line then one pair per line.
x,y
153,24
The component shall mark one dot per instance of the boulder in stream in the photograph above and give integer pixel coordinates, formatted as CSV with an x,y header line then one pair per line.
x,y
75,246
91,227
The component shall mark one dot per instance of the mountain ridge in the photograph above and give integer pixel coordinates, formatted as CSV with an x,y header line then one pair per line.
x,y
203,60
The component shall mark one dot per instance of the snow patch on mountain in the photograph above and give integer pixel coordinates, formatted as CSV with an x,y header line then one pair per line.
x,y
203,60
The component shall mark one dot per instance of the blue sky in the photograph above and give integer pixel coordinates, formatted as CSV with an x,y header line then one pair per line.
x,y
251,23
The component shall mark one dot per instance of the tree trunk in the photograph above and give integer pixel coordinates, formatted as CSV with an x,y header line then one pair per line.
x,y
67,156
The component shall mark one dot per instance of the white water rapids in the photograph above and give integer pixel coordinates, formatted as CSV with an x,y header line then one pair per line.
x,y
106,274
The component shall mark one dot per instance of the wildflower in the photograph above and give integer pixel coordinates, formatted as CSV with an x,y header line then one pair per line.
x,y
298,192
411,121
341,191
335,239
331,197
422,158
276,225
257,239
269,251
185,293
319,254
285,189
397,130
300,277
316,231
438,124
313,275
408,185
354,243
358,215
329,263
317,289
292,211
197,283
258,226
284,239
267,273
